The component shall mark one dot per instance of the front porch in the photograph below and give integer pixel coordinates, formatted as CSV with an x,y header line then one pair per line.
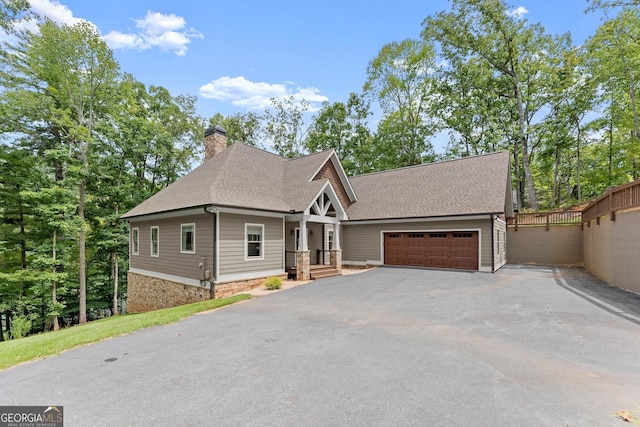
x,y
315,272
312,237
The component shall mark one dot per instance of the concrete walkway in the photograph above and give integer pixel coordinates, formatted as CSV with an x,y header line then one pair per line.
x,y
387,347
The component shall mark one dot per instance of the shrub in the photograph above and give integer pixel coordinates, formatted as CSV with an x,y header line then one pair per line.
x,y
20,327
273,283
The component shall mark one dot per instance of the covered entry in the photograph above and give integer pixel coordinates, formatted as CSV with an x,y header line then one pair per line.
x,y
440,249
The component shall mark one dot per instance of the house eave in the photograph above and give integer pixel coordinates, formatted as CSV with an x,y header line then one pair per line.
x,y
194,210
459,217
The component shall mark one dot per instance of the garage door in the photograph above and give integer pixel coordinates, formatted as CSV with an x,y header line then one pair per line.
x,y
443,249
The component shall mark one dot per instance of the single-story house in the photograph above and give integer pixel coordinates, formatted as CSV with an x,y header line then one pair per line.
x,y
246,214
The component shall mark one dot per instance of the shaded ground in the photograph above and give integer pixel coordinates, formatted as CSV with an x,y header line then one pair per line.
x,y
392,346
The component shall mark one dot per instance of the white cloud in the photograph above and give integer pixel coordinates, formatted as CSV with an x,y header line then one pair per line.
x,y
244,93
166,32
518,12
157,23
118,40
52,9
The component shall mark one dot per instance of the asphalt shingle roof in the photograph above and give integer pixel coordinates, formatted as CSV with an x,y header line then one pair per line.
x,y
246,177
471,185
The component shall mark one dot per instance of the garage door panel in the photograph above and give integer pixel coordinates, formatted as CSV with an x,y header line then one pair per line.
x,y
451,249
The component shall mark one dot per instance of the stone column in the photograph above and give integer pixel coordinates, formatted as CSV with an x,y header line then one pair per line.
x,y
336,259
303,272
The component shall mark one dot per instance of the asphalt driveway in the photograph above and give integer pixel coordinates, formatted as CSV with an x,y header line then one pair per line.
x,y
392,346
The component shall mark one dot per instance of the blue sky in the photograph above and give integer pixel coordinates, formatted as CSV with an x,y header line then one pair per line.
x,y
235,55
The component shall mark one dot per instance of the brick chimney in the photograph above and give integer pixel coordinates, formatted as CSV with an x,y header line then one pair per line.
x,y
215,140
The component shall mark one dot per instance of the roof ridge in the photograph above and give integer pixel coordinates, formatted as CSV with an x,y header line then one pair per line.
x,y
306,156
430,164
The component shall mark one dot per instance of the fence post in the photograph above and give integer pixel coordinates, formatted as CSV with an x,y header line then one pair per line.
x,y
547,221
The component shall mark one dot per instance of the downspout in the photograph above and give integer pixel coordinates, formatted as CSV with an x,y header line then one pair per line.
x,y
493,246
214,213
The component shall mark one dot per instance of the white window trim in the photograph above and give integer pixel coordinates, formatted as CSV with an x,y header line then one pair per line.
x,y
190,224
135,241
151,241
246,242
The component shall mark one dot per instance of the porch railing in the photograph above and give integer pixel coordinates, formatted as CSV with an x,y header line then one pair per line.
x,y
323,257
623,197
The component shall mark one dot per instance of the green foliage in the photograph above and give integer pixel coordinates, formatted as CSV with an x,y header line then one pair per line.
x,y
84,145
10,10
343,128
273,283
246,128
20,327
284,126
401,78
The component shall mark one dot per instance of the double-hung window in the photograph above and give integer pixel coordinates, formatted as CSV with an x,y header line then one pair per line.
x,y
135,241
155,241
188,238
254,244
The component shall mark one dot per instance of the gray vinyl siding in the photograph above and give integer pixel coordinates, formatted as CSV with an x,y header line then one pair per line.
x,y
169,259
500,241
233,241
362,243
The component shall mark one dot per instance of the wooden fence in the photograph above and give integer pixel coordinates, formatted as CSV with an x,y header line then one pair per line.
x,y
545,218
623,197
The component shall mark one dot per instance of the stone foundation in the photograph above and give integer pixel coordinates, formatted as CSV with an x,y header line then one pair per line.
x,y
146,293
222,290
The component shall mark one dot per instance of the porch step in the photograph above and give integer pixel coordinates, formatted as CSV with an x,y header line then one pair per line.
x,y
321,271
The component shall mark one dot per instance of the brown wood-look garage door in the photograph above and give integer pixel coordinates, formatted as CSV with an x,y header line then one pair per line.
x,y
442,249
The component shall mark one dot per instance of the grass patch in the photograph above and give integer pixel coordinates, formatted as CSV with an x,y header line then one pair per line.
x,y
37,346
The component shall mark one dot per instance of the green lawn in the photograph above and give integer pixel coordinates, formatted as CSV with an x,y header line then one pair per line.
x,y
38,346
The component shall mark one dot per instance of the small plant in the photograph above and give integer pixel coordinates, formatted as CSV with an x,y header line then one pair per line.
x,y
20,327
273,283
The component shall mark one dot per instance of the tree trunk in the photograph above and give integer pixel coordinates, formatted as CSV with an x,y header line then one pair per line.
x,y
531,191
610,150
579,166
516,171
54,298
114,266
82,255
115,272
23,239
1,331
556,186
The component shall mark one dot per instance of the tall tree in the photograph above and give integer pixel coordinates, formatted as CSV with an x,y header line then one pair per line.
x,y
285,127
487,32
343,128
69,72
400,77
242,127
613,60
469,109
